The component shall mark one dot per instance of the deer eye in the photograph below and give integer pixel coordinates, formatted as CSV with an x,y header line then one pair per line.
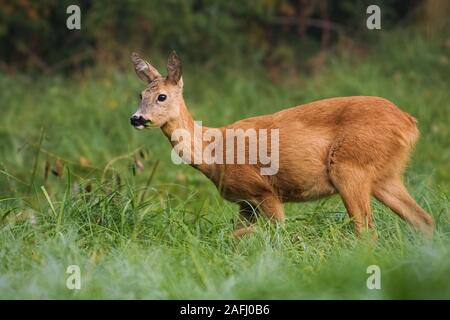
x,y
162,97
140,96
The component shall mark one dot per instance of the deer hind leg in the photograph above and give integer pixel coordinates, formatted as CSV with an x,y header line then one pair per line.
x,y
354,186
247,220
393,194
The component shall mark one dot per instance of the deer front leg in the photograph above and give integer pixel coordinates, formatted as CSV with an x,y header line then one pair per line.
x,y
247,220
272,208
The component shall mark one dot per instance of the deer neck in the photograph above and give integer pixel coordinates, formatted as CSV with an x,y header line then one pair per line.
x,y
185,134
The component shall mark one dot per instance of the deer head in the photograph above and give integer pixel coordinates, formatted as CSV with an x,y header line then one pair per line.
x,y
162,99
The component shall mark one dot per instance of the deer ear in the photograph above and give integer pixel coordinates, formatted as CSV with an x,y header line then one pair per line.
x,y
174,68
144,69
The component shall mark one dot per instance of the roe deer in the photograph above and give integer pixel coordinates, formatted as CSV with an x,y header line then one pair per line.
x,y
355,146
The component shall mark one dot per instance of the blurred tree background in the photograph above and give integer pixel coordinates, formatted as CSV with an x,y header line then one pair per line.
x,y
280,34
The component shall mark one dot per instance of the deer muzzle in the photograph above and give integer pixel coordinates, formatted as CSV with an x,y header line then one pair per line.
x,y
139,122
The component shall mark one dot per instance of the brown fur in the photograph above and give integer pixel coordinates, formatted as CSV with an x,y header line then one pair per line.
x,y
355,146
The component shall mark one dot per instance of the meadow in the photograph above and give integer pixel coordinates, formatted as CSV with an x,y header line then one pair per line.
x,y
79,186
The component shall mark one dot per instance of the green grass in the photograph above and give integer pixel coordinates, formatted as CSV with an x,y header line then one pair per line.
x,y
171,240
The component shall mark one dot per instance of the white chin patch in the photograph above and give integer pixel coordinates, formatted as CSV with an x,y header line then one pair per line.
x,y
140,127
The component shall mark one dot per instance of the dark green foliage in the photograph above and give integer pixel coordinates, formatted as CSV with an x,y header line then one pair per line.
x,y
33,34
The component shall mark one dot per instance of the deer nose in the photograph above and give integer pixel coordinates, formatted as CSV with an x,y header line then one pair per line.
x,y
137,121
